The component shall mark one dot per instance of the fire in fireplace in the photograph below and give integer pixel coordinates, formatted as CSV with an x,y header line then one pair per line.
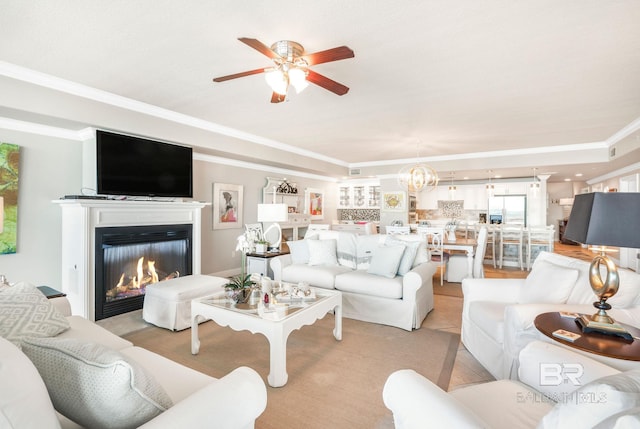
x,y
130,258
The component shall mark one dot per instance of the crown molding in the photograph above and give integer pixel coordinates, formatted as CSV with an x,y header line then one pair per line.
x,y
620,172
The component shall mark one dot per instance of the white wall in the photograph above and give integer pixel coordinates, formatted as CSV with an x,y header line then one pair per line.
x,y
49,168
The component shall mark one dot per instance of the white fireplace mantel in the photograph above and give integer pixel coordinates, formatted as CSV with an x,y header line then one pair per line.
x,y
80,218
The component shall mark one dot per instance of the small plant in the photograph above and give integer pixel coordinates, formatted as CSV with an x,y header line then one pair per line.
x,y
240,281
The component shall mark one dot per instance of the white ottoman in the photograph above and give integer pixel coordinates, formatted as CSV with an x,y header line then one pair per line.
x,y
167,304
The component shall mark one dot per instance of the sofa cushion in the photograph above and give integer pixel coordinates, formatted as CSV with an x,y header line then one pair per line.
x,y
23,392
322,252
319,276
409,255
365,246
386,260
299,251
489,316
548,283
361,282
95,386
422,254
628,294
84,329
25,311
596,401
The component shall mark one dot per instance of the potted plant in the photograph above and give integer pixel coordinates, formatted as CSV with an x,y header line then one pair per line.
x,y
262,245
239,287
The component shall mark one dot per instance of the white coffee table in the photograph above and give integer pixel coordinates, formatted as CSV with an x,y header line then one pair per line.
x,y
276,326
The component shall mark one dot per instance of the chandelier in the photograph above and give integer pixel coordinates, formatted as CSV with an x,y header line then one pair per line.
x,y
290,69
417,177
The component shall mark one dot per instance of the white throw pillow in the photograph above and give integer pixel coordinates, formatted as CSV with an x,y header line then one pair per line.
x,y
299,251
409,255
596,401
24,400
322,252
548,283
95,386
25,311
386,260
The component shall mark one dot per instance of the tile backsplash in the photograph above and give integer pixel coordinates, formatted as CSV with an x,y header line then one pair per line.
x,y
359,214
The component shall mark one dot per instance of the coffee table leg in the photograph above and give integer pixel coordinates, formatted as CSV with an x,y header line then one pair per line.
x,y
195,341
277,359
337,330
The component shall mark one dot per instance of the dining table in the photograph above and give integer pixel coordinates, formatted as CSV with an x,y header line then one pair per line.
x,y
467,245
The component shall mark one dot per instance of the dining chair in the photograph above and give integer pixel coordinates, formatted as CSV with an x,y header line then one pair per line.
x,y
540,237
435,237
511,235
491,240
458,267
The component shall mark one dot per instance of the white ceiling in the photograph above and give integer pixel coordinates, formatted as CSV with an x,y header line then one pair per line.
x,y
431,79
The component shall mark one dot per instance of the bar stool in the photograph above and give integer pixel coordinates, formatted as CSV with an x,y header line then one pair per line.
x,y
541,237
512,235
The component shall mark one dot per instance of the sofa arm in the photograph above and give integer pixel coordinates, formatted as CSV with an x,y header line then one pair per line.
x,y
277,264
565,370
234,401
416,402
62,304
414,279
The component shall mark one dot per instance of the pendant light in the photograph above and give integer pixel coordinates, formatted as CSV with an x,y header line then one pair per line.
x,y
490,188
418,177
535,185
452,189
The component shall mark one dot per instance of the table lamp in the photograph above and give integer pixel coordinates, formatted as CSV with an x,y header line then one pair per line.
x,y
604,219
273,213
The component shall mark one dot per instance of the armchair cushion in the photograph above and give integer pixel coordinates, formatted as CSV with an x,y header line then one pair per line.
x,y
490,318
548,283
95,386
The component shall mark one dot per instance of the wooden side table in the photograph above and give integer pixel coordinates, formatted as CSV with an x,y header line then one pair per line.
x,y
258,263
593,342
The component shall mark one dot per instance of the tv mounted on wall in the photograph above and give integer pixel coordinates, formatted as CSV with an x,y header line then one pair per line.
x,y
133,166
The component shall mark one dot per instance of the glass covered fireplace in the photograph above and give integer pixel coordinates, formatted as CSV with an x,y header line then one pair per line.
x,y
130,258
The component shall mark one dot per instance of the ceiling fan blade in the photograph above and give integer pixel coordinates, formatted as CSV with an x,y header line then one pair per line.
x,y
334,54
277,98
237,75
326,83
260,47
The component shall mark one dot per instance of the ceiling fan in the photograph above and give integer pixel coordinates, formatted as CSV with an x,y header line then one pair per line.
x,y
291,67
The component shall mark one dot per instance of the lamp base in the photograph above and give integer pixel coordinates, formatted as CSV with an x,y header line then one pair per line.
x,y
588,324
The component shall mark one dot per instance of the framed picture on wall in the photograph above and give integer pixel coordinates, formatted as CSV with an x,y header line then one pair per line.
x,y
227,206
394,201
314,203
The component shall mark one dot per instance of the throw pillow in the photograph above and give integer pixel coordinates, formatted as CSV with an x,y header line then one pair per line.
x,y
95,386
596,401
409,255
25,311
322,252
386,260
548,283
299,251
23,392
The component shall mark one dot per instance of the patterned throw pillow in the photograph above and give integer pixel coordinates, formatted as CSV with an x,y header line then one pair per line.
x,y
26,312
95,386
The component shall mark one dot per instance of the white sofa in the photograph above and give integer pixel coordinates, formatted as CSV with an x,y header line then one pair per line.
x,y
199,401
383,279
498,314
595,395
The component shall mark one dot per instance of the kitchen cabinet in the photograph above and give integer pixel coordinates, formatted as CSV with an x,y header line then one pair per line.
x,y
359,196
282,192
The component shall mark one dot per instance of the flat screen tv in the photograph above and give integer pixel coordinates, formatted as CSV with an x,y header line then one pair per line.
x,y
133,166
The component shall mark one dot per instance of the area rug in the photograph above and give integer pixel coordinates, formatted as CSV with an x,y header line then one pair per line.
x,y
332,384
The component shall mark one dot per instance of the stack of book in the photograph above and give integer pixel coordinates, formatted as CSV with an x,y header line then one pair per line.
x,y
589,325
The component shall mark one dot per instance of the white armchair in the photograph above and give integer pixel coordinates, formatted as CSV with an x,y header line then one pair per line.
x,y
537,400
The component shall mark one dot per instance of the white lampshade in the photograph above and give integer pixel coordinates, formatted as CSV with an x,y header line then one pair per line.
x,y
298,79
277,80
273,213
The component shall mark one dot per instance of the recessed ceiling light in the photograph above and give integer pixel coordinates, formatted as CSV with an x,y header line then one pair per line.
x,y
578,174
465,178
497,176
567,180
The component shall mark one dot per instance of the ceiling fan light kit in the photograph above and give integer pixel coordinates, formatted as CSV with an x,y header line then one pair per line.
x,y
291,67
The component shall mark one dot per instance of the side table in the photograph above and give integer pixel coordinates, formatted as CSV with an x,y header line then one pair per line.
x,y
258,263
593,342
